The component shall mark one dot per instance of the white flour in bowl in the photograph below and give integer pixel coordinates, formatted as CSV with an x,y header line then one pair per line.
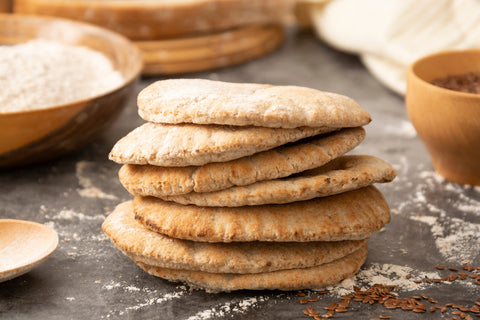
x,y
42,73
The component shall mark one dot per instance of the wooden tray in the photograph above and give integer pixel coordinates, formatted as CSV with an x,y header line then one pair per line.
x,y
203,53
149,19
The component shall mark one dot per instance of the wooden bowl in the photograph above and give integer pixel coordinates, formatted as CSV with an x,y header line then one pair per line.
x,y
223,49
43,134
6,5
155,20
447,121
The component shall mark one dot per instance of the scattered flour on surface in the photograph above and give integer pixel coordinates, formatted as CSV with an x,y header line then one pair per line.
x,y
386,274
425,219
98,237
153,297
463,203
67,214
229,308
132,289
155,300
402,168
88,189
432,175
112,285
43,73
456,240
51,224
401,128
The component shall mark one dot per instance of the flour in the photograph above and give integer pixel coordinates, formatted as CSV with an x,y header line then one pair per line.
x,y
400,128
132,289
153,297
228,308
456,237
153,301
42,73
112,285
94,192
51,224
67,214
386,274
456,240
88,189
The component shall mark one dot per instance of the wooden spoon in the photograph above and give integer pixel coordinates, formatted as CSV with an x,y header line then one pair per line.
x,y
23,246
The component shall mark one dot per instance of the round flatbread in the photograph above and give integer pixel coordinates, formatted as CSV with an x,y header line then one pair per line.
x,y
292,279
351,215
340,175
158,250
147,180
242,104
195,145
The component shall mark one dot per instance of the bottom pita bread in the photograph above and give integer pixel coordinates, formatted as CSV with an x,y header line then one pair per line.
x,y
292,279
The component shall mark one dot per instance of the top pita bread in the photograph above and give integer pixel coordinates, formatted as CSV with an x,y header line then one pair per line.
x,y
214,102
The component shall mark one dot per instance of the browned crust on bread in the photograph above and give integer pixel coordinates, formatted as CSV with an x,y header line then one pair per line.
x,y
148,180
340,175
292,279
241,104
348,216
192,144
156,249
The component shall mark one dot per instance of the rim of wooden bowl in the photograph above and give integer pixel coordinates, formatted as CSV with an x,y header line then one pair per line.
x,y
412,70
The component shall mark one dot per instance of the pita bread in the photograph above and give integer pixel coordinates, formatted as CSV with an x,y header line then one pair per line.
x,y
283,161
340,175
159,250
214,102
292,279
351,215
195,145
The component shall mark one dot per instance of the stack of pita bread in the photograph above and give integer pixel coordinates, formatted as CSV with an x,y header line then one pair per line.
x,y
246,186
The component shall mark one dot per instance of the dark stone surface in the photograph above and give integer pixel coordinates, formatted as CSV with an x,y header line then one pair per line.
x,y
87,278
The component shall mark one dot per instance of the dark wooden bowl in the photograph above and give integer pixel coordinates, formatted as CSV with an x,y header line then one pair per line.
x,y
43,134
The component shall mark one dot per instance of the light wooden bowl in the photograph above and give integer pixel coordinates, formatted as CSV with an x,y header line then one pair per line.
x,y
43,134
223,49
155,20
447,121
23,246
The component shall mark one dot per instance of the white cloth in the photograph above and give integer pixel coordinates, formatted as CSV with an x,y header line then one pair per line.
x,y
391,34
